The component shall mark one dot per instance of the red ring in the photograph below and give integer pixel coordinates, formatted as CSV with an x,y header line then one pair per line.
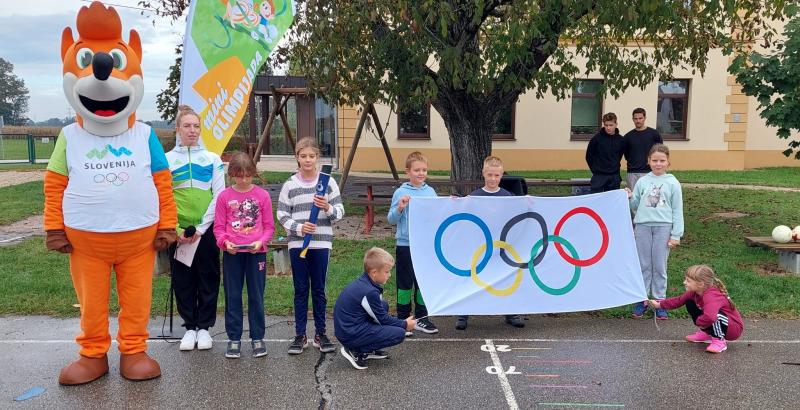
x,y
603,230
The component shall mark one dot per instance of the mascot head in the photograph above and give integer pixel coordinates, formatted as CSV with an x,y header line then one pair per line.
x,y
102,73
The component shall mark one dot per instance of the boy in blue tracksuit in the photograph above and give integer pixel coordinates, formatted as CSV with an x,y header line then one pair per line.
x,y
361,317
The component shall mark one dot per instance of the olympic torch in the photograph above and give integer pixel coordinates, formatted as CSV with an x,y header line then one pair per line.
x,y
322,188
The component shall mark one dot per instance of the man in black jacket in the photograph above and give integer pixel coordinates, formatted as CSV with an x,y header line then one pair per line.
x,y
603,155
638,142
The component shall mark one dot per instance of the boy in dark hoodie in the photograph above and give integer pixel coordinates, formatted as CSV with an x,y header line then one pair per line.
x,y
361,317
603,155
407,288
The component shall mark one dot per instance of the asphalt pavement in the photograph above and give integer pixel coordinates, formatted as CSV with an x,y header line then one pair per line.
x,y
555,362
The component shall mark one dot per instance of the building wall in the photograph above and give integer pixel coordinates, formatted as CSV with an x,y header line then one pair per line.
x,y
724,130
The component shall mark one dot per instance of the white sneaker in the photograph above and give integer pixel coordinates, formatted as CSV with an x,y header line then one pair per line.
x,y
204,340
188,340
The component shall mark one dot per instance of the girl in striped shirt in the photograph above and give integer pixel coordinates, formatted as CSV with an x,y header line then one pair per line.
x,y
294,208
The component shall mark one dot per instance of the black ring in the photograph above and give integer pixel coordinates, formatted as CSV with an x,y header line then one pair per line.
x,y
510,224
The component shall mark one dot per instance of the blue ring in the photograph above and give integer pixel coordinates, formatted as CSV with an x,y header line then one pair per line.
x,y
437,243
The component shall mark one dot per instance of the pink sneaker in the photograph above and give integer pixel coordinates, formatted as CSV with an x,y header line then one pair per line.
x,y
717,346
699,337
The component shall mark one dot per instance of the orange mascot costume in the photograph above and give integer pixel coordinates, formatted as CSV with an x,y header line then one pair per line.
x,y
108,195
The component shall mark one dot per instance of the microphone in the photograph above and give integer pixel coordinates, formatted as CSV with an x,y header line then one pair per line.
x,y
189,231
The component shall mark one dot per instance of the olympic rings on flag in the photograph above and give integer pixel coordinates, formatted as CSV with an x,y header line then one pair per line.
x,y
489,288
603,231
575,275
510,224
487,235
536,255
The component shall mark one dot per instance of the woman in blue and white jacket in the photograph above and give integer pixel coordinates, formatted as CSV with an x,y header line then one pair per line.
x,y
198,176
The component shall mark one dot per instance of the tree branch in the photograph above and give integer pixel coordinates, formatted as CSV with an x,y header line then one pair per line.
x,y
539,48
384,34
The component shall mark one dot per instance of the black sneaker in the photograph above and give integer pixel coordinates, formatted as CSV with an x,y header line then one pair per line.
x,y
425,325
324,344
461,322
358,360
298,344
515,320
259,348
234,350
377,354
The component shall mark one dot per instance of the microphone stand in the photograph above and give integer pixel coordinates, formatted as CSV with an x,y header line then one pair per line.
x,y
187,233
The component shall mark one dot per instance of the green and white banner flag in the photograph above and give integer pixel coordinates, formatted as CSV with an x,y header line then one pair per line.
x,y
226,43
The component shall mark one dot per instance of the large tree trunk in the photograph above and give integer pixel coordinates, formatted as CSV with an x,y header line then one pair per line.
x,y
470,123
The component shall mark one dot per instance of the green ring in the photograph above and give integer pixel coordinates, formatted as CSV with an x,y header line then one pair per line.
x,y
575,276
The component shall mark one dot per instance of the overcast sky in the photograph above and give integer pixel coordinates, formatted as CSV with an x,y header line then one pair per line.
x,y
30,39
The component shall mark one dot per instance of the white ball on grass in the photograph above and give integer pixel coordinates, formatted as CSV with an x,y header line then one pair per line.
x,y
782,234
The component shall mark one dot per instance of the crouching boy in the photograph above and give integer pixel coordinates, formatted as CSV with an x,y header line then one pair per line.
x,y
361,317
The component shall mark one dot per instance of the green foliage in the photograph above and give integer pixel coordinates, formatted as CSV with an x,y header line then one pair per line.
x,y
13,95
167,99
379,50
470,58
774,79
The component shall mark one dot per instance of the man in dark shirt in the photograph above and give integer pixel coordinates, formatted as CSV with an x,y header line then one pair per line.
x,y
638,142
603,155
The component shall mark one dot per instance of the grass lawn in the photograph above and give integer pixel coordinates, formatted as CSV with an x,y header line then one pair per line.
x,y
22,166
21,201
33,281
275,177
16,148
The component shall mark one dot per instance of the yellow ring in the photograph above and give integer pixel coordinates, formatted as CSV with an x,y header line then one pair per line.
x,y
489,288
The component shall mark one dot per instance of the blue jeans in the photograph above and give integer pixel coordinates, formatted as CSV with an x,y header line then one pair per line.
x,y
313,268
236,269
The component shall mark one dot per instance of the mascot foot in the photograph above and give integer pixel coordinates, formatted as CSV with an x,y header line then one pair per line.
x,y
83,370
138,367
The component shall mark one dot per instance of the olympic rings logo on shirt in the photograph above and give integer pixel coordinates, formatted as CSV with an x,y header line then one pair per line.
x,y
537,252
112,178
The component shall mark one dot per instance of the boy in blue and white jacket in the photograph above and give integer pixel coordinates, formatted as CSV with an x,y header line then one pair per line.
x,y
407,288
361,317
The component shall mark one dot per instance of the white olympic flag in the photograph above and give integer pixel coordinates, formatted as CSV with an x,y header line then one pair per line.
x,y
584,254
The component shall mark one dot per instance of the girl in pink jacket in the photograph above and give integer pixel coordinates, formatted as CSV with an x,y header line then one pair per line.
x,y
711,308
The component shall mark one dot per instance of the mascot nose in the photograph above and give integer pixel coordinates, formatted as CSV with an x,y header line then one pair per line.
x,y
102,63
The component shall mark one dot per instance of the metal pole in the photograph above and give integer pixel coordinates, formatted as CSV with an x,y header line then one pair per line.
x,y
31,150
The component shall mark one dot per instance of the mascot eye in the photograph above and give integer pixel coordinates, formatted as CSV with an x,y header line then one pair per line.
x,y
120,61
84,58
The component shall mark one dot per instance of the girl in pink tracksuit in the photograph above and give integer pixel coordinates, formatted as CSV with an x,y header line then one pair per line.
x,y
711,308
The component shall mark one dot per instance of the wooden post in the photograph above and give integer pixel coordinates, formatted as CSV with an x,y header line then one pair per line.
x,y
267,128
370,215
352,154
282,112
382,137
289,137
